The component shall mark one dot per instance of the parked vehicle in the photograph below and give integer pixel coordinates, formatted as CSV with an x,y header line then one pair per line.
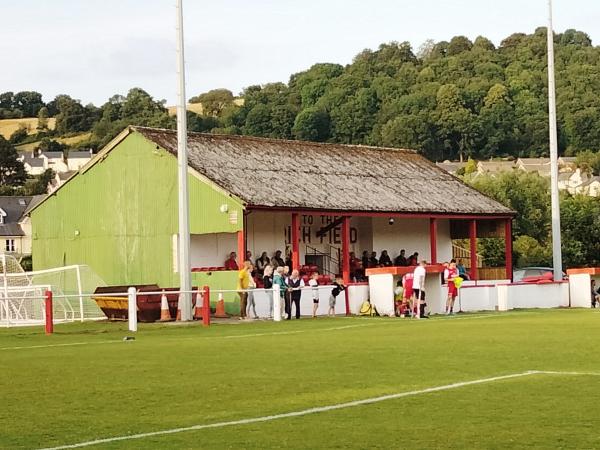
x,y
527,272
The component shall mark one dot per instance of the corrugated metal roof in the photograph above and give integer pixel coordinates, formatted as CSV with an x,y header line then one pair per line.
x,y
298,174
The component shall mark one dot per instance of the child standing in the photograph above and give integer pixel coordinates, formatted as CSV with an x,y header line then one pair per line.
x,y
338,287
398,297
314,284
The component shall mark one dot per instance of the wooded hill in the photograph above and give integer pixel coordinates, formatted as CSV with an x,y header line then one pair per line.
x,y
446,99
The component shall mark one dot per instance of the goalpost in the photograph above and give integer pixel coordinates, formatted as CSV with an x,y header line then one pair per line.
x,y
22,293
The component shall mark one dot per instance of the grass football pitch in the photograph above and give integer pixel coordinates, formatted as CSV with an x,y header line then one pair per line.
x,y
523,379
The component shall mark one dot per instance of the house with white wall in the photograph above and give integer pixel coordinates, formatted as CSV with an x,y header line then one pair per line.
x,y
15,224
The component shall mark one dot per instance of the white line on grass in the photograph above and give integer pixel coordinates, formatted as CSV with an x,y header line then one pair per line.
x,y
372,322
315,410
69,344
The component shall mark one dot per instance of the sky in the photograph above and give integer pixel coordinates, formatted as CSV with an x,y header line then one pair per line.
x,y
94,49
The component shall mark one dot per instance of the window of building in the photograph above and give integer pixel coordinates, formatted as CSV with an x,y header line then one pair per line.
x,y
10,245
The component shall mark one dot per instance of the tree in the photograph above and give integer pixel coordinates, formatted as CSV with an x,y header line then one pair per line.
x,y
40,185
42,124
213,102
580,227
497,122
454,122
524,192
19,135
459,44
589,162
12,171
29,102
258,121
312,124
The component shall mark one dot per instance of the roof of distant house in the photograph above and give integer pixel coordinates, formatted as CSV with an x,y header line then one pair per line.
x,y
15,208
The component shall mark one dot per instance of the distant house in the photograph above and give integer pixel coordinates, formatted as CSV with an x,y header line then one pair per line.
x,y
15,225
569,181
37,162
451,167
590,187
494,167
59,179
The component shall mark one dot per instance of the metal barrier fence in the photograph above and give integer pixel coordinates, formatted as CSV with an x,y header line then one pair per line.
x,y
47,302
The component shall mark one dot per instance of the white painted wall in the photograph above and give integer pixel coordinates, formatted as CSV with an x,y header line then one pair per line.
x,y
580,289
211,250
411,235
261,298
481,298
265,232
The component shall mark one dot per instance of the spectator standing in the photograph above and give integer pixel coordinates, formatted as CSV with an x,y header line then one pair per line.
x,y
595,294
288,260
338,287
277,261
230,263
419,289
314,284
278,278
268,285
242,285
251,287
248,256
295,284
384,259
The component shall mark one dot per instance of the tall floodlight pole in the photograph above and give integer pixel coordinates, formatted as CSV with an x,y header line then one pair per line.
x,y
185,299
556,244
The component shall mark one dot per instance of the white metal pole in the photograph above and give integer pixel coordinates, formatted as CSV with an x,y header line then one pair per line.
x,y
132,308
276,303
185,285
556,241
80,292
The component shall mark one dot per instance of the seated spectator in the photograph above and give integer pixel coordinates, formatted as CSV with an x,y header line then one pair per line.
x,y
384,259
277,260
262,262
365,259
373,261
413,260
230,263
248,256
401,259
462,272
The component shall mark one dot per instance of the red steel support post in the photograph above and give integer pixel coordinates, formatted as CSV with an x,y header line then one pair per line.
x,y
433,239
508,248
49,317
473,245
346,258
206,307
241,248
295,242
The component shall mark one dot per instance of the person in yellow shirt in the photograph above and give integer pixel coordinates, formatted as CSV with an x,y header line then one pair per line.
x,y
242,284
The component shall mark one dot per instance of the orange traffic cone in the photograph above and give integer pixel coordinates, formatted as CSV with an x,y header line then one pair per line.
x,y
165,314
198,308
220,312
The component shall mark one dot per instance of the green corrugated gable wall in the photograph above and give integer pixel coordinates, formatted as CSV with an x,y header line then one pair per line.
x,y
119,217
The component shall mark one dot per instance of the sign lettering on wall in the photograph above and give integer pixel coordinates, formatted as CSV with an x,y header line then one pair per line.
x,y
310,226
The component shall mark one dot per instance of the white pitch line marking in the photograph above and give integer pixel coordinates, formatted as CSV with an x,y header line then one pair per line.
x,y
69,344
317,409
372,322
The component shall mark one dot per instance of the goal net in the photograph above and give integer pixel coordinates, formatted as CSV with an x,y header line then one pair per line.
x,y
22,293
